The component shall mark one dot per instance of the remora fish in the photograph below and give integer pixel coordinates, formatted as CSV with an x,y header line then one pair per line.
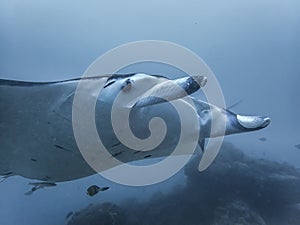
x,y
94,189
39,185
36,121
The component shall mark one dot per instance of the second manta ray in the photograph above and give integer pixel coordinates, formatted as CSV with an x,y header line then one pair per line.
x,y
37,137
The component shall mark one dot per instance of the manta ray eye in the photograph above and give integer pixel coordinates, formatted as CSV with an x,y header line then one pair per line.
x,y
127,85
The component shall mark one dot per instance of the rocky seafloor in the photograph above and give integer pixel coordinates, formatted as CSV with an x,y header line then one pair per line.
x,y
235,189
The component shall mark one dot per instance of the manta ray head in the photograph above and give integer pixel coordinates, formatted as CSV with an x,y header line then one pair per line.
x,y
217,121
140,90
239,123
128,104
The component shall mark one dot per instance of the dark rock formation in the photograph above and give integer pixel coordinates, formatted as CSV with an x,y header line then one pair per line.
x,y
235,189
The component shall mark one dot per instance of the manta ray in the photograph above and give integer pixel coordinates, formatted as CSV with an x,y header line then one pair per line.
x,y
36,130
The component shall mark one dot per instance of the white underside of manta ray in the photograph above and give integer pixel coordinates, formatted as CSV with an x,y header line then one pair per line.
x,y
36,134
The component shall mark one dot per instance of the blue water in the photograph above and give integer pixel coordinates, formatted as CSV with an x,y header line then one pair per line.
x,y
253,49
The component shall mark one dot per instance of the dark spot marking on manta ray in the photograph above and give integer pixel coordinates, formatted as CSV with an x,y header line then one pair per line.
x,y
33,160
117,153
297,146
147,156
115,145
58,146
61,147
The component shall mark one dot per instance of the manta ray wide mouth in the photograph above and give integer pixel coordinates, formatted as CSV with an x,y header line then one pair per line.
x,y
253,122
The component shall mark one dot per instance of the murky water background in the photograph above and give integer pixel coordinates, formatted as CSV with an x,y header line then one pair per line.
x,y
253,49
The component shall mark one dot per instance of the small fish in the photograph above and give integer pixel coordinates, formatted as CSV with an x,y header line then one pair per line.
x,y
297,146
104,188
262,139
39,185
94,189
